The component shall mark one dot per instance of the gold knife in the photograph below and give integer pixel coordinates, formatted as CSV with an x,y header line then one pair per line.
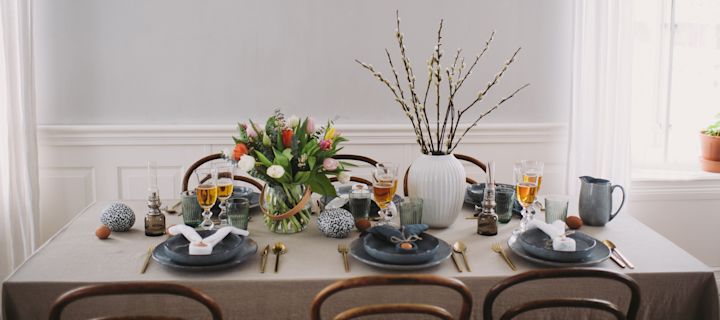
x,y
263,258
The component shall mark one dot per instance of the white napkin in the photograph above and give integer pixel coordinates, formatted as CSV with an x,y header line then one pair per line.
x,y
556,231
200,246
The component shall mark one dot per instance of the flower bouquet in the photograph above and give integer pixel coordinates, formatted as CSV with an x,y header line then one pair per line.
x,y
294,159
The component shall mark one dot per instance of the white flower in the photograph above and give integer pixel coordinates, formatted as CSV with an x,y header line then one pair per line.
x,y
343,177
293,121
275,171
246,163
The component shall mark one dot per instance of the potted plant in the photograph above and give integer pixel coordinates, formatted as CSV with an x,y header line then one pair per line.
x,y
710,146
437,176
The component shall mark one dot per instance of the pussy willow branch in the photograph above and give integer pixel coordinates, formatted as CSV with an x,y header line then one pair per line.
x,y
418,128
402,102
481,94
411,82
451,106
485,114
438,79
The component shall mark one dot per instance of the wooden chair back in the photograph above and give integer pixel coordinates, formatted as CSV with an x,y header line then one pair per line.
x,y
359,158
585,303
206,159
394,308
132,289
459,157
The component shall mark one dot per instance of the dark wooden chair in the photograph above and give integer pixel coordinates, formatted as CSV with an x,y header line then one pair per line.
x,y
353,157
459,157
394,308
132,289
206,159
574,302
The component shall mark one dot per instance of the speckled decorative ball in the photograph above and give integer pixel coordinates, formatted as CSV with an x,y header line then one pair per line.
x,y
118,217
336,223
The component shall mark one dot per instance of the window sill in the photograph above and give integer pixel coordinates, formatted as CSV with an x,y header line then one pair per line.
x,y
674,184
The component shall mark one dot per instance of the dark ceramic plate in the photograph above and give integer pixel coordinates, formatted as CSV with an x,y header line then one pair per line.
x,y
474,195
373,206
538,244
388,252
176,248
358,252
598,254
247,249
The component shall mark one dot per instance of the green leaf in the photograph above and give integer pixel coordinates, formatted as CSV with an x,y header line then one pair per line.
x,y
288,153
322,185
302,177
264,160
311,162
281,160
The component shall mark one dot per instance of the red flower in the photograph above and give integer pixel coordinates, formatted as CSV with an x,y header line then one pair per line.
x,y
240,150
325,144
287,135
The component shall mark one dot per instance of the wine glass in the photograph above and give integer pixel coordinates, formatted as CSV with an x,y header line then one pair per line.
x,y
225,189
206,192
534,173
527,180
385,176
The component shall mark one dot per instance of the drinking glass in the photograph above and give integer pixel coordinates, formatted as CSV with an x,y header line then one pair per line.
x,y
238,212
504,198
527,179
225,190
191,211
385,176
411,211
556,208
360,203
206,193
534,174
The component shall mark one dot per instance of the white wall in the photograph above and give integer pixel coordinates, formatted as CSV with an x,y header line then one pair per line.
x,y
215,62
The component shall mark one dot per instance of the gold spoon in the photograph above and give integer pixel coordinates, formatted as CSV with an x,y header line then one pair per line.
x,y
614,249
460,248
278,249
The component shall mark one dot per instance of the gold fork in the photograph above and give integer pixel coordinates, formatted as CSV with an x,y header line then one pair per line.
x,y
497,248
343,249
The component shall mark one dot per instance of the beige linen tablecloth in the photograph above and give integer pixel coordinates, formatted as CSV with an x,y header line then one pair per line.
x,y
674,284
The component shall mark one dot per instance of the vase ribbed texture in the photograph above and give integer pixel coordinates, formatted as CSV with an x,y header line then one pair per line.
x,y
440,182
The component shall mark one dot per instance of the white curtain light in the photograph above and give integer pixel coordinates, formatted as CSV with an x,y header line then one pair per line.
x,y
18,142
600,117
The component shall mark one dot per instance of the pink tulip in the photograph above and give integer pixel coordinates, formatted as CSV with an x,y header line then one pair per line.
x,y
330,164
251,132
310,126
325,144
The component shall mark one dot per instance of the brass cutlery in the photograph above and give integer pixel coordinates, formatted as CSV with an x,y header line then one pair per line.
x,y
278,249
343,249
454,260
147,259
263,258
460,248
498,248
620,256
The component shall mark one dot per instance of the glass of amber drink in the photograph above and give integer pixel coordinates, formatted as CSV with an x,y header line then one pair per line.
x,y
225,189
207,194
528,177
384,187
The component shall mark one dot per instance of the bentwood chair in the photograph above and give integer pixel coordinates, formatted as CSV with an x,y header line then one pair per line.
x,y
572,302
210,158
134,289
462,157
352,157
394,308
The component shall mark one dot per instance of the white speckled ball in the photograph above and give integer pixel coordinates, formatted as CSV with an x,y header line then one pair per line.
x,y
118,217
336,223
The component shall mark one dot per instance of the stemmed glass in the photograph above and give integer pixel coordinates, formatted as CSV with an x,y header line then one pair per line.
x,y
528,177
385,176
225,189
534,174
206,192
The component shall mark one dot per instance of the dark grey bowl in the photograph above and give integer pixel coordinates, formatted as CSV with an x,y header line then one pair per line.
x,y
475,193
177,249
387,252
538,244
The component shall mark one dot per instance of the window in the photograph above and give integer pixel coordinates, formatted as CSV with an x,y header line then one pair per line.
x,y
676,80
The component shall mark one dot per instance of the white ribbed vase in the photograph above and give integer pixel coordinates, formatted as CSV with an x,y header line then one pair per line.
x,y
440,182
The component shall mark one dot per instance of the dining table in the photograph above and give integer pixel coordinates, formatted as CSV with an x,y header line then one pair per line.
x,y
673,283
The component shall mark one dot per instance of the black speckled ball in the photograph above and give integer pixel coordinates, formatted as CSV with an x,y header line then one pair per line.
x,y
336,223
118,217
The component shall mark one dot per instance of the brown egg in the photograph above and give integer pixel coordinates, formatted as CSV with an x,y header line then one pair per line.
x,y
574,222
406,246
363,224
102,232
